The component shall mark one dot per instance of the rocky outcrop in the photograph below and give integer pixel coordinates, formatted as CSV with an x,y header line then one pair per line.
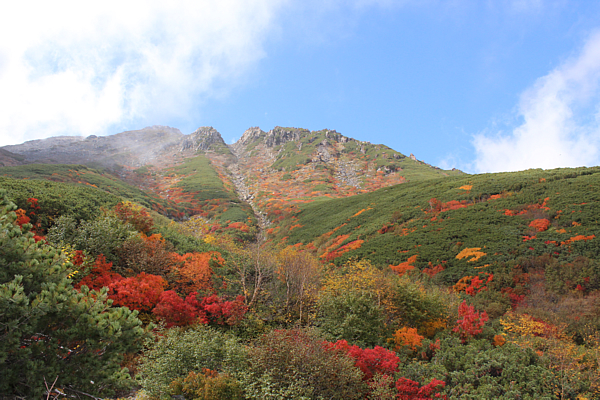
x,y
202,139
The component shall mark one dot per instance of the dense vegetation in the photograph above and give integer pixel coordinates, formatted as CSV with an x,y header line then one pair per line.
x,y
469,287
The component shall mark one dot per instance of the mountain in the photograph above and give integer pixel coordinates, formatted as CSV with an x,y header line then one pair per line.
x,y
260,175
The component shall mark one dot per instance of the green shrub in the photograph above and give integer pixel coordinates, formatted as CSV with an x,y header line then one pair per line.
x,y
296,364
177,352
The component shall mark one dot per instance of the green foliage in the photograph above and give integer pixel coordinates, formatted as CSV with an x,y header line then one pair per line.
x,y
184,243
103,235
177,352
478,370
354,316
80,176
414,306
296,364
48,329
56,199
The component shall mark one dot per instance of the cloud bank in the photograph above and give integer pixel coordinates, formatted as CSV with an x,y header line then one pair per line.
x,y
560,120
80,67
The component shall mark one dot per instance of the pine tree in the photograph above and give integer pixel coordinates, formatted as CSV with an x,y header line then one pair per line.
x,y
49,330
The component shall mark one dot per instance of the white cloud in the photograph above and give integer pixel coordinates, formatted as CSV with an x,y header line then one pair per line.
x,y
557,130
73,67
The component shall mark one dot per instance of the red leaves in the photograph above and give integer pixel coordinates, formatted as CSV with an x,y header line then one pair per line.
x,y
410,390
471,322
224,312
370,361
141,292
100,275
176,311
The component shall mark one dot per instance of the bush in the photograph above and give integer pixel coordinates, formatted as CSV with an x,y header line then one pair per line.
x,y
298,364
178,352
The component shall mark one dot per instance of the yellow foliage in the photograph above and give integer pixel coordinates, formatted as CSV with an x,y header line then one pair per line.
x,y
354,275
210,239
466,187
472,253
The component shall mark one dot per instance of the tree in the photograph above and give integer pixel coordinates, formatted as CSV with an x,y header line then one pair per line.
x,y
49,330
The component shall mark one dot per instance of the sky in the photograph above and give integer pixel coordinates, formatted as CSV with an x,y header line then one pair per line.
x,y
478,85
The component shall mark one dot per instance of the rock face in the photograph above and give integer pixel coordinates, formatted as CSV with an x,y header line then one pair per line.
x,y
202,139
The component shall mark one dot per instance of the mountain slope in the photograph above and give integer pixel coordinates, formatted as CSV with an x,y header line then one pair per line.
x,y
464,224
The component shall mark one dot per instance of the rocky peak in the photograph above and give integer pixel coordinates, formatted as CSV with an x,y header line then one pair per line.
x,y
279,135
202,139
249,136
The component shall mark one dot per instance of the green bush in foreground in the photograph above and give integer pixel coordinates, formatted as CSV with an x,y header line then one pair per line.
x,y
48,330
177,352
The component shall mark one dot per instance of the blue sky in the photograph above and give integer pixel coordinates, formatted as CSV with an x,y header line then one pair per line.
x,y
483,86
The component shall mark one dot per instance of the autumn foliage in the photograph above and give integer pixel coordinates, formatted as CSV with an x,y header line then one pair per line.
x,y
471,321
370,361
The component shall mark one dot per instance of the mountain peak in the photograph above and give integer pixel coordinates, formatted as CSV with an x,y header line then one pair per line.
x,y
202,139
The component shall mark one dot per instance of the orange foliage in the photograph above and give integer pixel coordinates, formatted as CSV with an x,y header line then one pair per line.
x,y
407,337
355,244
336,242
360,212
438,206
195,273
472,252
577,238
540,225
404,267
530,207
499,341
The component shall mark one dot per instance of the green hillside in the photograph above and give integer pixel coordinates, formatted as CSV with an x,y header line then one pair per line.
x,y
209,192
438,219
81,175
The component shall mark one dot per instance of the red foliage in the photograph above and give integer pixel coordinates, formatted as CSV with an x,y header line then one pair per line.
x,y
100,274
433,271
141,292
224,312
176,311
515,299
22,219
471,322
410,390
477,285
370,361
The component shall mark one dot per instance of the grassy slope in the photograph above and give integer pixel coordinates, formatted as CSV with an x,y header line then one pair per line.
x,y
199,178
573,209
94,178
